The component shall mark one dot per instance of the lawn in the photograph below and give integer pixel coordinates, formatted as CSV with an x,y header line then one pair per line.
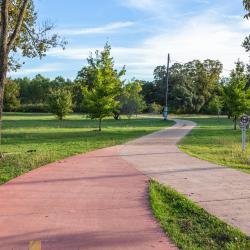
x,y
33,140
215,140
191,227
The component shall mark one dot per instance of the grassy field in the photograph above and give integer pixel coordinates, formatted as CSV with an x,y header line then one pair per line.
x,y
191,227
32,140
215,140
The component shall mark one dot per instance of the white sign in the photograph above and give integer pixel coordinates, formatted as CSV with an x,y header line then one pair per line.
x,y
244,120
243,125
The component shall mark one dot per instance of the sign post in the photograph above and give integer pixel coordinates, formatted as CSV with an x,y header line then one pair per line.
x,y
243,125
165,112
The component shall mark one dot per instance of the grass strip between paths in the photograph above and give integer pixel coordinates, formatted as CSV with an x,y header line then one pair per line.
x,y
189,226
215,140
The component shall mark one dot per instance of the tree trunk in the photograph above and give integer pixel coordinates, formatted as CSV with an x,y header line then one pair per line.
x,y
100,124
3,55
235,123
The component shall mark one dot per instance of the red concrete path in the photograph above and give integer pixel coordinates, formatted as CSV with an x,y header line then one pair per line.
x,y
92,201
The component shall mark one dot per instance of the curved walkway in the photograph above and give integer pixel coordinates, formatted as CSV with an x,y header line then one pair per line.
x,y
222,191
91,201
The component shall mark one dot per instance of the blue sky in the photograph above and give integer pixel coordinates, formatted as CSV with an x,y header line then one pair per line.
x,y
141,33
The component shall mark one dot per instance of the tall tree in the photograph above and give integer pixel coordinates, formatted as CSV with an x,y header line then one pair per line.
x,y
39,89
246,43
132,102
236,96
11,95
60,102
19,32
191,85
100,99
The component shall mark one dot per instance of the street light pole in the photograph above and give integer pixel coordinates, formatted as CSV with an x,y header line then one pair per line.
x,y
165,112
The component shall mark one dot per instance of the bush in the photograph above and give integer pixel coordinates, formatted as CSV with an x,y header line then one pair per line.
x,y
33,107
60,102
215,106
11,96
155,108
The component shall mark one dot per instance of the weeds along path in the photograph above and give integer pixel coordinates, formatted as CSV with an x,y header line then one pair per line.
x,y
222,191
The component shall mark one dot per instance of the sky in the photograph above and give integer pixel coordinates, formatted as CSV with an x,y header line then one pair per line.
x,y
141,33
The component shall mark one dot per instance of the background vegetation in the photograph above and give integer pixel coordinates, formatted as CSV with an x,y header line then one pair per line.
x,y
194,87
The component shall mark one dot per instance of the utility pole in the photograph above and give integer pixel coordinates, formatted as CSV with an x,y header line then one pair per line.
x,y
165,112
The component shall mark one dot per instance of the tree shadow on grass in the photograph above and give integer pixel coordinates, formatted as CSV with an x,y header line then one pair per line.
x,y
84,123
70,136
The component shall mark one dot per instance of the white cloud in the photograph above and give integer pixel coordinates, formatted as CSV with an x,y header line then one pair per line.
x,y
142,4
154,6
201,37
36,70
109,28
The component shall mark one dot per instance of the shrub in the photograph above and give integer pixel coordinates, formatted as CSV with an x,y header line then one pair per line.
x,y
60,103
155,108
32,107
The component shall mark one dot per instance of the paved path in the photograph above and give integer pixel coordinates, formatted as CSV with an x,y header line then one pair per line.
x,y
222,191
91,201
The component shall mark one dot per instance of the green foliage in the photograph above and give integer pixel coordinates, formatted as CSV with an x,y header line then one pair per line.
x,y
30,108
236,96
132,102
38,89
102,87
60,103
155,108
11,94
77,97
34,39
35,90
191,86
246,43
215,106
190,226
32,140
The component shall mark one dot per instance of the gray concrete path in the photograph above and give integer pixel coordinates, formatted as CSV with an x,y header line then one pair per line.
x,y
222,191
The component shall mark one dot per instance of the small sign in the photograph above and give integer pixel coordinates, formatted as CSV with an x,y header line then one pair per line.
x,y
244,119
243,125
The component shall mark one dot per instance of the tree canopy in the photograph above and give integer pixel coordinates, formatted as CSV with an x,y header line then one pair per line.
x,y
102,87
246,43
20,32
236,96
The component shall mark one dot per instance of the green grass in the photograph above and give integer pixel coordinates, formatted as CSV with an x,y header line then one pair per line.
x,y
32,140
191,227
215,140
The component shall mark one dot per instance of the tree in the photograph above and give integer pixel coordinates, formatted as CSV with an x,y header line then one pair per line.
x,y
155,108
236,97
60,103
23,84
215,106
38,89
149,90
11,96
132,102
246,43
104,85
191,85
20,33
